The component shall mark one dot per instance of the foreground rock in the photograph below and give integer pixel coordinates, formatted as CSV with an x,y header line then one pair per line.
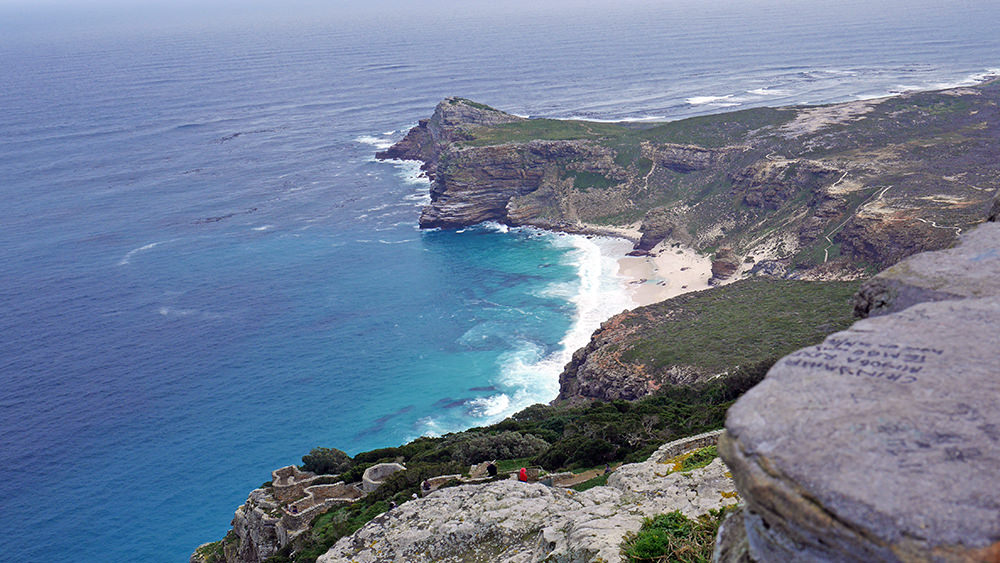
x,y
971,269
881,444
511,521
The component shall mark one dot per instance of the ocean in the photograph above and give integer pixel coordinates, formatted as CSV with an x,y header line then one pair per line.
x,y
206,273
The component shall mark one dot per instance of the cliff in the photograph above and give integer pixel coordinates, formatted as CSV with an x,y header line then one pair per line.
x,y
808,192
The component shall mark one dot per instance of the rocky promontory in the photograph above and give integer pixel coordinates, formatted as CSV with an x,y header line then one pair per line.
x,y
696,337
808,192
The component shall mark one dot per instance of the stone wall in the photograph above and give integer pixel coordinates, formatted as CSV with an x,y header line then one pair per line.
x,y
376,474
289,482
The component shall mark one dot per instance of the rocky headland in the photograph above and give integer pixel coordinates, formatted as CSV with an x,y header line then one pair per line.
x,y
879,443
809,192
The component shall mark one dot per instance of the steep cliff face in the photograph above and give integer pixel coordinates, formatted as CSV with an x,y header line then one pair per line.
x,y
514,183
808,192
255,533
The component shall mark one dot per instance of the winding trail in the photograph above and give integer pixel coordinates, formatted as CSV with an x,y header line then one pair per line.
x,y
645,179
826,251
958,230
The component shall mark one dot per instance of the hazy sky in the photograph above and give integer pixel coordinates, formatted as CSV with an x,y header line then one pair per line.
x,y
52,18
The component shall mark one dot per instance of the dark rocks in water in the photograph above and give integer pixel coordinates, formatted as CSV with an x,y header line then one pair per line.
x,y
881,444
971,269
994,215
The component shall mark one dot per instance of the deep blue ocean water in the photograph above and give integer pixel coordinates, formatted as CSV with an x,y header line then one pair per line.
x,y
205,273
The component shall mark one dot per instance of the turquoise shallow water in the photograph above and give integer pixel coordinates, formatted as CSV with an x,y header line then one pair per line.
x,y
206,274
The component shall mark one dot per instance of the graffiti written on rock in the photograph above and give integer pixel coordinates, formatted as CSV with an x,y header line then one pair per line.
x,y
842,356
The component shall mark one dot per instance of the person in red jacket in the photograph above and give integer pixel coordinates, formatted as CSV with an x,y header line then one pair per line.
x,y
522,475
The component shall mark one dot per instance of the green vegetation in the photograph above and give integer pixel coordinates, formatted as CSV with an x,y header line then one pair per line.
x,y
543,129
716,130
215,552
326,461
674,538
510,465
695,459
598,481
586,180
743,323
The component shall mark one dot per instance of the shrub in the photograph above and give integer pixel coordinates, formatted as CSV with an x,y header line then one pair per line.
x,y
577,451
326,461
699,458
476,448
674,537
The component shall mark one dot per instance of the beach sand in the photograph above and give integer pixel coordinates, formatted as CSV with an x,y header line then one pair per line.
x,y
670,270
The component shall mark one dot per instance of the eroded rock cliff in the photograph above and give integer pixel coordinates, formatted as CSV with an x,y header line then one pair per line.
x,y
697,336
813,192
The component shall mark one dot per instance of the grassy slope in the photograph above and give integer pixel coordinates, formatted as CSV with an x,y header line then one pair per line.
x,y
743,323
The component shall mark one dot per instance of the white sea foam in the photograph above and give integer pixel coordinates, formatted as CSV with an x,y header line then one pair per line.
x,y
378,142
768,91
715,100
127,259
496,227
527,374
263,228
970,80
488,407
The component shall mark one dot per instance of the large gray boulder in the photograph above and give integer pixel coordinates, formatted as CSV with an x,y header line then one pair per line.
x,y
883,442
971,269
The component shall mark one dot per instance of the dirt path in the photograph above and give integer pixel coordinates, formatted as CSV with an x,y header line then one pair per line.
x,y
586,476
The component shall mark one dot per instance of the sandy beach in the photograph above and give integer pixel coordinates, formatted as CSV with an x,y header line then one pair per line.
x,y
670,270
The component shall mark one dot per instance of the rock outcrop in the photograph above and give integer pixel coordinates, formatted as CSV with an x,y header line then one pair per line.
x,y
883,442
971,269
451,121
510,521
724,265
256,524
